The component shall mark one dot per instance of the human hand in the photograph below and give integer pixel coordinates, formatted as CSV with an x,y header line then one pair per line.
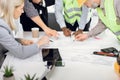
x,y
36,1
44,40
79,31
51,32
81,37
26,42
66,31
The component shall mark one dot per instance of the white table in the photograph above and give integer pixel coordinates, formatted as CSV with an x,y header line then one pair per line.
x,y
80,63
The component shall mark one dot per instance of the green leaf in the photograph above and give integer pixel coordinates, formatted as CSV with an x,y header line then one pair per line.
x,y
8,71
27,77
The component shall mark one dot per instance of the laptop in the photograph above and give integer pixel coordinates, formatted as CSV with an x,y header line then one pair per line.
x,y
53,58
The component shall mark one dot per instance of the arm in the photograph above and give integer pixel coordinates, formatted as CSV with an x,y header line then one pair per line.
x,y
95,31
16,48
30,10
59,13
33,14
117,9
99,28
60,18
83,18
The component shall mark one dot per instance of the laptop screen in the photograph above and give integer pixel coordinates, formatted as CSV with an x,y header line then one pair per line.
x,y
52,56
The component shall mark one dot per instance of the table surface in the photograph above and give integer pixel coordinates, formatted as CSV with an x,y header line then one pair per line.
x,y
80,62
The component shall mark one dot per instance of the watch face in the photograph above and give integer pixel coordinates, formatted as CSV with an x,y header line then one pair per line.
x,y
52,56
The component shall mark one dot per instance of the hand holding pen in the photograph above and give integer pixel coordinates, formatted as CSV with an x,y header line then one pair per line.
x,y
79,31
66,31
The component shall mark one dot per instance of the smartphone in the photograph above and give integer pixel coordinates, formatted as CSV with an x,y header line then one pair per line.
x,y
109,49
52,56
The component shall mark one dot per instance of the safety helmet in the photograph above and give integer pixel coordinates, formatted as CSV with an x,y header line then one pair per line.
x,y
81,2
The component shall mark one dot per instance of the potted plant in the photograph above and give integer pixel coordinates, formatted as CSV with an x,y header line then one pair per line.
x,y
28,77
8,73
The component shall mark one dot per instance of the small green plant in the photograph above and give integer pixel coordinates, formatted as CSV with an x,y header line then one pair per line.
x,y
8,71
27,77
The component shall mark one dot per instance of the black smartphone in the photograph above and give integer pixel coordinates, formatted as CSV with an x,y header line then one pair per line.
x,y
110,50
52,56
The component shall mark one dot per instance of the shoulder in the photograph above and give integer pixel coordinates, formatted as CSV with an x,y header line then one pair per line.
x,y
4,27
3,23
3,32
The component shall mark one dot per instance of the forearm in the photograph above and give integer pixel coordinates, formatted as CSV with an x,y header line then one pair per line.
x,y
39,22
32,13
83,19
99,28
58,13
25,51
14,47
21,51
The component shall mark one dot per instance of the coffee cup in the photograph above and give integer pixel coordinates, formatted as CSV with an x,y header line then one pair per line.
x,y
35,32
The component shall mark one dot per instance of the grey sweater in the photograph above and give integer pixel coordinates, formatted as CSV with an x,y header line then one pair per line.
x,y
14,47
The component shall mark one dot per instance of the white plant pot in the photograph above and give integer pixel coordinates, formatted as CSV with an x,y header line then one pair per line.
x,y
9,78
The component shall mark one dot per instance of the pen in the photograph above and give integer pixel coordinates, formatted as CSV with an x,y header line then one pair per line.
x,y
50,40
73,35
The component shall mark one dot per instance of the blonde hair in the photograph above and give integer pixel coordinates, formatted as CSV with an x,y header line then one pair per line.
x,y
7,8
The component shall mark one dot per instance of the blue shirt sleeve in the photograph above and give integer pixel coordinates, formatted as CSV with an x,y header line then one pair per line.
x,y
83,19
